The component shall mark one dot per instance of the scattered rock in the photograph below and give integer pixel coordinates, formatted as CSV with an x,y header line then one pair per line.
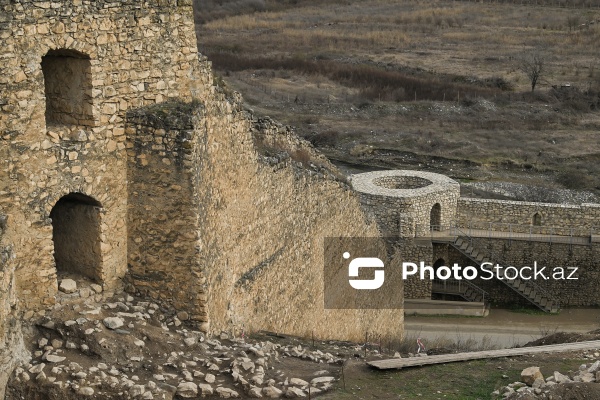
x,y
68,286
272,392
298,382
85,391
227,393
36,369
205,389
113,322
137,390
55,359
322,379
96,288
293,392
187,390
529,375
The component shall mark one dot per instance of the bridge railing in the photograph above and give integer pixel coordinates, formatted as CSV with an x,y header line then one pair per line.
x,y
496,230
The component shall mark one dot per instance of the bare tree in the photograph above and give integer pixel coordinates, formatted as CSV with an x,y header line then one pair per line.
x,y
533,66
573,22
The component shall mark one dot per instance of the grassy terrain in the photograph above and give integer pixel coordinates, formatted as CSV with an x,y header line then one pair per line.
x,y
457,381
433,85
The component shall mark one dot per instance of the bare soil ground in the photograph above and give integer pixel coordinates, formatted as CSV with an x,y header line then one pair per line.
x,y
430,85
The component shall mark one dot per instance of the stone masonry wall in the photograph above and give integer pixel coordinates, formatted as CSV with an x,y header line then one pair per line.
x,y
520,253
581,292
262,230
229,236
401,201
555,218
215,229
139,53
414,287
12,349
163,209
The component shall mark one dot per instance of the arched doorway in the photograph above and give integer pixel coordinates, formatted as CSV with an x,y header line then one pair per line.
x,y
440,262
435,217
76,230
536,220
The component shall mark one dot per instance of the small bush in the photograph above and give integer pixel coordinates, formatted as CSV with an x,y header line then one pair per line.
x,y
575,179
361,150
302,156
324,139
498,82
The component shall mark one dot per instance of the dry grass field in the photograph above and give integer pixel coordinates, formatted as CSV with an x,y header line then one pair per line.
x,y
435,85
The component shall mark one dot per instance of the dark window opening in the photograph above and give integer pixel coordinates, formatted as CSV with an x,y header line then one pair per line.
x,y
435,217
68,88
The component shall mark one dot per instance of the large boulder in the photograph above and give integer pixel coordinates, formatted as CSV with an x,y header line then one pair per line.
x,y
187,390
529,375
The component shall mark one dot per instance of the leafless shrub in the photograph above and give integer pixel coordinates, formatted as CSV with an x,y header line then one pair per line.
x,y
327,138
532,65
575,179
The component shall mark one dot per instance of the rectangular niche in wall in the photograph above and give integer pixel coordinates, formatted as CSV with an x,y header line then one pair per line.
x,y
68,87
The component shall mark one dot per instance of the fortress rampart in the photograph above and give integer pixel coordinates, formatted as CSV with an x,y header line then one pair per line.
x,y
116,145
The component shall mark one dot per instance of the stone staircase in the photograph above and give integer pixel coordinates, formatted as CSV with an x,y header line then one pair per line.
x,y
526,288
462,288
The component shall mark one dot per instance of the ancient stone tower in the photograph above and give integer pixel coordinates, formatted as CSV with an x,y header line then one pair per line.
x,y
122,164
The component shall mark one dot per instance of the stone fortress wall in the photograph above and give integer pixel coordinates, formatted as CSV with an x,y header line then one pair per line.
x,y
393,206
557,219
110,118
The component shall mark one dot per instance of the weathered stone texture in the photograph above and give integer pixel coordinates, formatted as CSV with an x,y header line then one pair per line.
x,y
404,202
12,349
168,175
414,287
163,216
217,230
569,293
138,55
557,219
262,230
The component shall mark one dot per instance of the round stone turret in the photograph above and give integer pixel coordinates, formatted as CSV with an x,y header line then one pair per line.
x,y
408,203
